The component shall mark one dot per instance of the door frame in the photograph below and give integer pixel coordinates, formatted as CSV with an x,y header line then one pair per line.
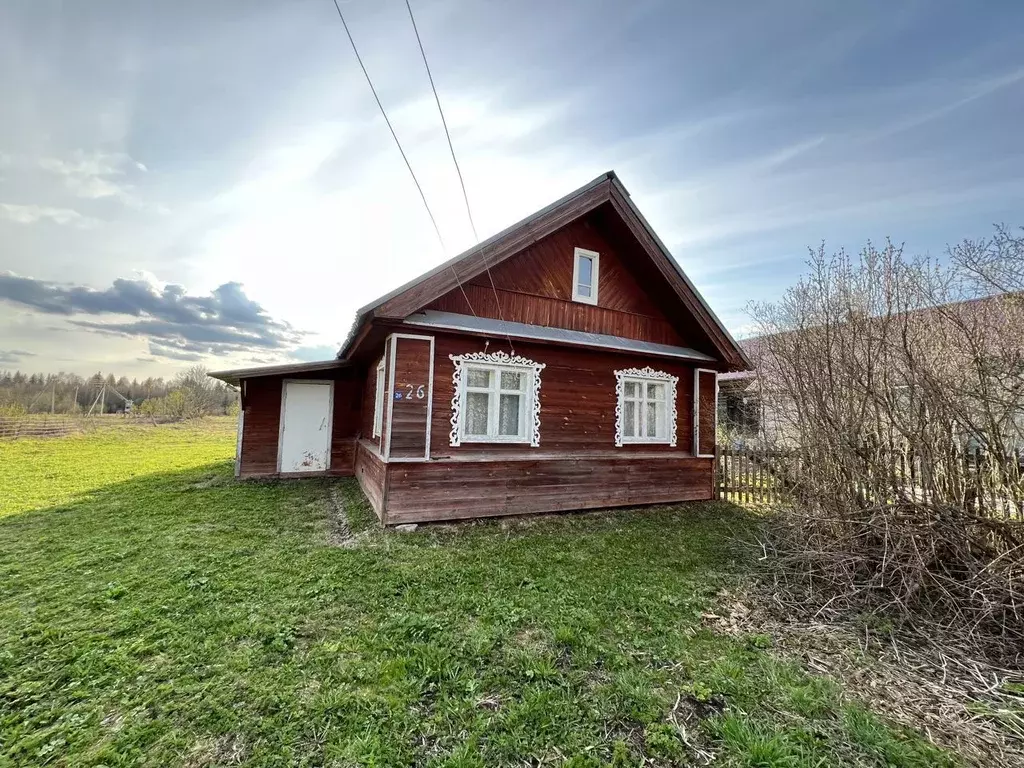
x,y
696,412
330,422
389,395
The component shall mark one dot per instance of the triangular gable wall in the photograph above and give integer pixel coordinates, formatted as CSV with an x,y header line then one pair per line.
x,y
618,218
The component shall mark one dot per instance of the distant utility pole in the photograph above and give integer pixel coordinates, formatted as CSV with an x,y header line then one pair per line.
x,y
53,398
100,398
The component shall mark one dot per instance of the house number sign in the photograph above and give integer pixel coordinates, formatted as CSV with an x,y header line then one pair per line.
x,y
411,391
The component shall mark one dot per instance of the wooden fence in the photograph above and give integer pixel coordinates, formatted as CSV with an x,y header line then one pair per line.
x,y
754,478
766,478
14,427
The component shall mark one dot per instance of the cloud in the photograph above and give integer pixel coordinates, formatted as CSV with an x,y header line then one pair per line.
x,y
174,353
30,214
177,325
95,175
12,356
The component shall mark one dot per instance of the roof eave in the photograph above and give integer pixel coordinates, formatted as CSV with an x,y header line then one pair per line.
x,y
544,335
235,375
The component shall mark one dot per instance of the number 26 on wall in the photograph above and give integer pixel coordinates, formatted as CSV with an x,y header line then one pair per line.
x,y
411,390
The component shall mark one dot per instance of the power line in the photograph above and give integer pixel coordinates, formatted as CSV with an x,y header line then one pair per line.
x,y
401,151
437,100
458,170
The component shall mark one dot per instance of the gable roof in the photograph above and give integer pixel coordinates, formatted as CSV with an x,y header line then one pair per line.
x,y
606,188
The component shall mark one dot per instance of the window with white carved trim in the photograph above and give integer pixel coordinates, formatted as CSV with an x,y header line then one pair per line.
x,y
495,403
584,275
495,399
378,401
646,407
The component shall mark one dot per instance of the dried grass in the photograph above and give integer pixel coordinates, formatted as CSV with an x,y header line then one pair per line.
x,y
929,681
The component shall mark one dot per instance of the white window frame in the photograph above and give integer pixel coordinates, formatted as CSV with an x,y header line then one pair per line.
x,y
595,257
378,401
529,413
643,377
696,411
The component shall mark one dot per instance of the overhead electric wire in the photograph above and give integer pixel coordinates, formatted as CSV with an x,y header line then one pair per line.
x,y
444,123
458,171
401,151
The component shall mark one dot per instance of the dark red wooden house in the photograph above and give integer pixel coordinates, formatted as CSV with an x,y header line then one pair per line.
x,y
585,376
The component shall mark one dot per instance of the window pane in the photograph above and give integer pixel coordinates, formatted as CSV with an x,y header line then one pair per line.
x,y
508,415
476,413
478,377
656,391
652,420
586,273
629,388
629,419
511,380
583,290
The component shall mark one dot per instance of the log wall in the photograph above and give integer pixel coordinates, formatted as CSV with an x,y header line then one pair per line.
x,y
577,398
485,488
262,422
371,472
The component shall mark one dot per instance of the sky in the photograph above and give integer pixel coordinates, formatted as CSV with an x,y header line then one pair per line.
x,y
212,183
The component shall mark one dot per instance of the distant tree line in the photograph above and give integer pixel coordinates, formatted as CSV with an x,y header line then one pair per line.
x,y
190,394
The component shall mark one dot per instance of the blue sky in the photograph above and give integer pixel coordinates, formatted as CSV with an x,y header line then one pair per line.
x,y
211,182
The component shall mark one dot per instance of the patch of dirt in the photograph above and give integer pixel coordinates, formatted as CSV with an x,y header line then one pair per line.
x,y
927,683
686,716
221,750
491,703
339,533
530,639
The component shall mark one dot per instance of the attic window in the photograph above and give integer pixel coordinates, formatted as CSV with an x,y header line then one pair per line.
x,y
584,275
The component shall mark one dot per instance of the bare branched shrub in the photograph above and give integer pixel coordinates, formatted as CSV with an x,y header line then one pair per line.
x,y
899,382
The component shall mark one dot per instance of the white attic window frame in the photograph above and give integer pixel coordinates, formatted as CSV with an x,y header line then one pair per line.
x,y
595,259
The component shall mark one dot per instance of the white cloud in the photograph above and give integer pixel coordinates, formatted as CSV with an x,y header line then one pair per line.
x,y
31,214
94,175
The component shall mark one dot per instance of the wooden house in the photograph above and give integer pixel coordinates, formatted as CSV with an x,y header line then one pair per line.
x,y
565,363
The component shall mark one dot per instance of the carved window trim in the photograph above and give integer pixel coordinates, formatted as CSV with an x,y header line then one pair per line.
x,y
503,360
645,375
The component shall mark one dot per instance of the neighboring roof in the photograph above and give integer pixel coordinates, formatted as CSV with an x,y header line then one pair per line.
x,y
752,349
736,376
416,294
755,347
456,322
236,374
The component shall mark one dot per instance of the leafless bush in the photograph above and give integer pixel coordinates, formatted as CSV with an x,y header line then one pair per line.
x,y
900,383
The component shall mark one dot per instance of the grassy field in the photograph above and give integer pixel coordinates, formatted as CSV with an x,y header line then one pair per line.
x,y
153,611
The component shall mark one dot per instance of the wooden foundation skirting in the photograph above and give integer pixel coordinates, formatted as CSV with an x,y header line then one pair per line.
x,y
488,486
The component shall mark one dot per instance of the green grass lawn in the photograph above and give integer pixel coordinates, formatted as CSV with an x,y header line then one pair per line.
x,y
154,611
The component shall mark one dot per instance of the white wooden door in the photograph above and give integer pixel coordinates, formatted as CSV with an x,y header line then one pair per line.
x,y
305,443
